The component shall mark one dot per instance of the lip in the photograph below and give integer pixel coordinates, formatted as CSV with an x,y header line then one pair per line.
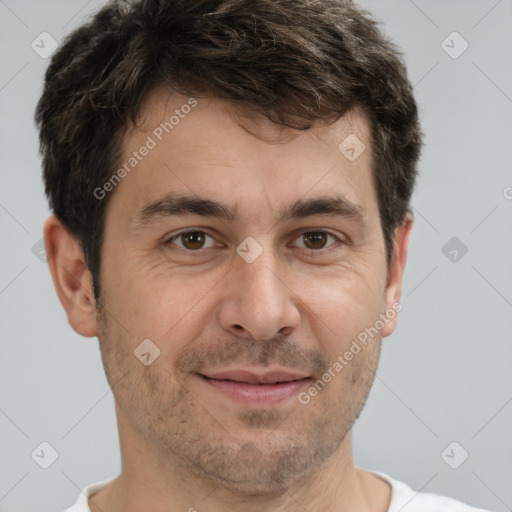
x,y
251,389
272,377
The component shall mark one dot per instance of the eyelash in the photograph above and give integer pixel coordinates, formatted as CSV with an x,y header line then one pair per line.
x,y
327,250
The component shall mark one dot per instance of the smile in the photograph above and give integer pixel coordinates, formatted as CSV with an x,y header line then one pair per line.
x,y
256,393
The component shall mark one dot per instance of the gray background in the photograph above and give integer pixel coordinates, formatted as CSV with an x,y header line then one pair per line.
x,y
445,373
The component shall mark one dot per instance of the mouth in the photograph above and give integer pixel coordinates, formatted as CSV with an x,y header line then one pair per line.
x,y
256,390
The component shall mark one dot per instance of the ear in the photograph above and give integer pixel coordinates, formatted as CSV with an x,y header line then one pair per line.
x,y
393,290
71,277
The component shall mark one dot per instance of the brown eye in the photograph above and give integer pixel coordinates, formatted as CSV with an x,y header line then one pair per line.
x,y
315,239
318,241
190,240
193,240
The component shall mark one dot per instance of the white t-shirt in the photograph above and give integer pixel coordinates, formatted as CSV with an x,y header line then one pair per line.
x,y
403,499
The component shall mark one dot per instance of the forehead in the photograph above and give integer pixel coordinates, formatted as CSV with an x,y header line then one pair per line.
x,y
213,148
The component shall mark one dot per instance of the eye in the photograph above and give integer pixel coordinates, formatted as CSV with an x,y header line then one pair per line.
x,y
315,241
191,240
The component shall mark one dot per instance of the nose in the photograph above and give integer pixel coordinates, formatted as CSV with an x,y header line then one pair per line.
x,y
258,302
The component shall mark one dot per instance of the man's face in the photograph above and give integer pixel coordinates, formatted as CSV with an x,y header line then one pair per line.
x,y
293,297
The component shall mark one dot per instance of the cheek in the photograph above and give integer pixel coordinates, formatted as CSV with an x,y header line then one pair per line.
x,y
346,303
166,305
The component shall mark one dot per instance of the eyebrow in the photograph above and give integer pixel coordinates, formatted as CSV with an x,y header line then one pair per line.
x,y
178,205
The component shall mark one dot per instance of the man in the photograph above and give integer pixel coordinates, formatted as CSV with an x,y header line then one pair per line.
x,y
230,182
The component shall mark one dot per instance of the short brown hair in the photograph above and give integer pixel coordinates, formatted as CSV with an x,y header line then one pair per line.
x,y
295,61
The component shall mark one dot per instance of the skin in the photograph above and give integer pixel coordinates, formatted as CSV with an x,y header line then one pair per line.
x,y
185,445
